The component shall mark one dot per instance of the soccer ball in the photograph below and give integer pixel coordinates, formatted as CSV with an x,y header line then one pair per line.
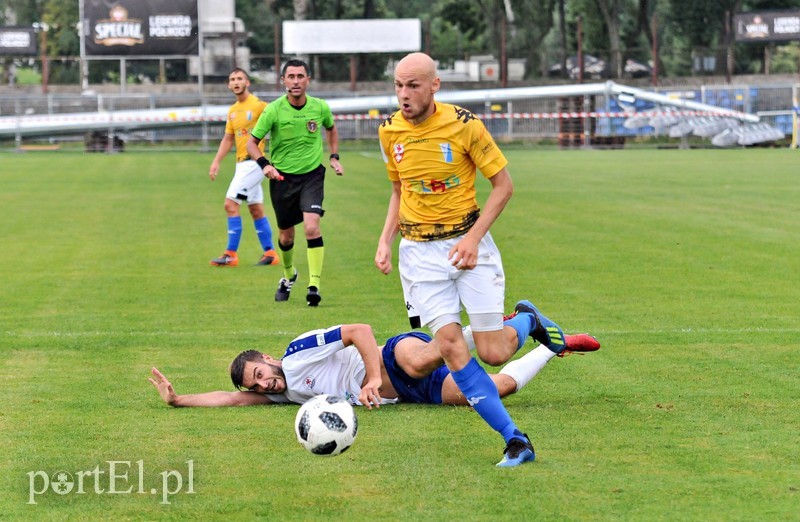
x,y
326,425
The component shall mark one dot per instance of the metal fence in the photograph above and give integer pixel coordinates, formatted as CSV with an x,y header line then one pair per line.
x,y
531,119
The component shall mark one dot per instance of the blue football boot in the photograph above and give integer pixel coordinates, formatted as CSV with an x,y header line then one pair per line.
x,y
517,452
543,329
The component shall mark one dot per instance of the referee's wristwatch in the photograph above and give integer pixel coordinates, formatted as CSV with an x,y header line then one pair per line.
x,y
334,156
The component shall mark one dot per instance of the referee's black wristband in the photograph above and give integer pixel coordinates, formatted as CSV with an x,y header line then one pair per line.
x,y
334,156
263,162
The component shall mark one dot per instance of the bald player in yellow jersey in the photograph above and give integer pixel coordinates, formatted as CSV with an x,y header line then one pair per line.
x,y
246,182
447,258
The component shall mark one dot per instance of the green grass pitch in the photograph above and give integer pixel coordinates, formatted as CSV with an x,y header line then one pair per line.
x,y
685,264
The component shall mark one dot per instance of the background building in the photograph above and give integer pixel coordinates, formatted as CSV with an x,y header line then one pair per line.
x,y
224,43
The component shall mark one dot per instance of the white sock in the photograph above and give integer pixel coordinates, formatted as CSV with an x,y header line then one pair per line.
x,y
526,367
467,331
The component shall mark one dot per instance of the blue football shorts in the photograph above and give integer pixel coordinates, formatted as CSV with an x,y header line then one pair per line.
x,y
427,390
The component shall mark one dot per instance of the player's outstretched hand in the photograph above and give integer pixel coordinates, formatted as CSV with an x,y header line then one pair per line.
x,y
163,386
370,395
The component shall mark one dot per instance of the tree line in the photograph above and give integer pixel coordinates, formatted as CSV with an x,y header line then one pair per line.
x,y
543,32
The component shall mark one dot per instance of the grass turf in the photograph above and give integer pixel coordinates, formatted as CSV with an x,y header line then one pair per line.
x,y
683,263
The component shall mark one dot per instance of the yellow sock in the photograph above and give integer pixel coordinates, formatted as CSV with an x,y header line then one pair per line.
x,y
316,253
286,259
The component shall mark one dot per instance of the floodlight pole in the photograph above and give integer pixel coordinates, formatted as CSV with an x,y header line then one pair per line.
x,y
45,65
200,75
123,75
729,44
277,57
580,49
503,55
353,72
655,51
428,36
83,30
233,44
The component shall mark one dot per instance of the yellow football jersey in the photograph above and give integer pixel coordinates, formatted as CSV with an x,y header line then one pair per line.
x,y
242,117
436,163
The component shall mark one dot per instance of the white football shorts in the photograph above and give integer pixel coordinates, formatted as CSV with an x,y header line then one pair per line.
x,y
435,288
246,183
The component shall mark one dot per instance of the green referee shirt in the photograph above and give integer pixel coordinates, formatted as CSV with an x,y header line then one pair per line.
x,y
295,135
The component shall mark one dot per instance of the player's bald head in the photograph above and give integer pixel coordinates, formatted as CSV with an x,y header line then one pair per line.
x,y
416,64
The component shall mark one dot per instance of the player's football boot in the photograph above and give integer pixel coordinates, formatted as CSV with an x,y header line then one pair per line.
x,y
229,258
270,257
510,316
284,287
543,329
312,297
517,452
578,343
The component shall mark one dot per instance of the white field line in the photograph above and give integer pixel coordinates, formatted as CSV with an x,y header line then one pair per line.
x,y
228,333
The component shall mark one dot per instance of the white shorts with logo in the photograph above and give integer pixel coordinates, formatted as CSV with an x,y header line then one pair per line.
x,y
246,183
434,287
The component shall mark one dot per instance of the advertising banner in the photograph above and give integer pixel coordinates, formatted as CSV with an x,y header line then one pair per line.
x,y
140,27
352,36
767,26
17,41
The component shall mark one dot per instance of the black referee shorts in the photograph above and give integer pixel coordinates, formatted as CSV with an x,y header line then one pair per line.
x,y
295,194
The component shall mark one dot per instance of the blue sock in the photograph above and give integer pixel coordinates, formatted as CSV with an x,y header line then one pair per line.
x,y
475,383
264,233
522,323
234,232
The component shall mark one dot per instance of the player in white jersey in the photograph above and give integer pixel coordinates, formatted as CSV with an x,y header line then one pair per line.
x,y
341,361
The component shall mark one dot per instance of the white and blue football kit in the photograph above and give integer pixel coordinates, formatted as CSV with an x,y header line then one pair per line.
x,y
318,362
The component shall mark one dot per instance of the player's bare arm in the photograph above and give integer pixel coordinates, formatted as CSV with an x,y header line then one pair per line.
x,y
332,135
362,337
383,256
464,255
255,154
225,145
208,400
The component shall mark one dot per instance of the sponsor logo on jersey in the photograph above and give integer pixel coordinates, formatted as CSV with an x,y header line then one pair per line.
x,y
398,151
320,339
464,115
447,152
424,186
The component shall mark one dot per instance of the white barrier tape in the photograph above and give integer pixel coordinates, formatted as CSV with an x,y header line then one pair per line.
x,y
558,115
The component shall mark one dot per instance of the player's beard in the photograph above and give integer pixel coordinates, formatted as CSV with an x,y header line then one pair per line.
x,y
278,375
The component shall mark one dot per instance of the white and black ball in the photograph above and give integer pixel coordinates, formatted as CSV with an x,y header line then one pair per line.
x,y
326,425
